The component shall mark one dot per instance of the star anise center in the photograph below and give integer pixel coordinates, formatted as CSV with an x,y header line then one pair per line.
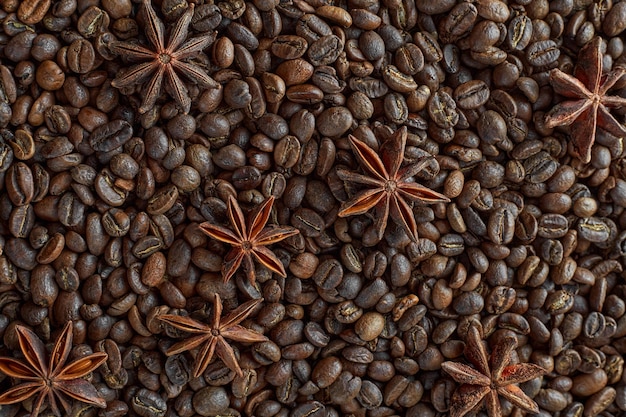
x,y
165,58
246,245
391,186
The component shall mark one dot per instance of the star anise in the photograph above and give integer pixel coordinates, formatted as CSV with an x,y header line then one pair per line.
x,y
490,378
213,337
249,240
389,184
589,109
51,378
164,60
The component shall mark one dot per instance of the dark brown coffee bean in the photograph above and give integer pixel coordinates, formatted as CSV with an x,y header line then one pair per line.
x,y
542,53
325,50
81,56
92,22
50,76
442,110
32,11
334,121
110,136
397,80
20,184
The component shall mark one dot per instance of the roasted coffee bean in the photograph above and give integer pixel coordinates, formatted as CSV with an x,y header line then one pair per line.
x,y
325,50
20,184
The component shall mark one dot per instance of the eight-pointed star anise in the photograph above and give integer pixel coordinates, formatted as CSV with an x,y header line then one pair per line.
x,y
213,337
249,240
490,378
51,378
164,60
589,108
389,184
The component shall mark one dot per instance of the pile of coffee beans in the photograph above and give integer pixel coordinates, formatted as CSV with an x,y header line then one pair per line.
x,y
100,203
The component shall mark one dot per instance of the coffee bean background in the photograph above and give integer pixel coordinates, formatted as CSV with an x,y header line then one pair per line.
x,y
100,205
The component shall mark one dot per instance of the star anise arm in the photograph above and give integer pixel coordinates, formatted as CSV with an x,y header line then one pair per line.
x,y
153,89
267,258
568,86
494,409
248,267
589,67
417,192
232,262
272,234
239,314
181,30
16,369
466,398
521,372
155,28
465,374
370,161
226,353
135,75
185,323
82,366
39,402
178,90
501,355
188,344
237,219
21,392
196,74
475,350
612,78
218,308
81,390
62,349
380,216
411,170
193,45
33,349
260,217
583,136
220,233
53,395
403,214
517,397
567,112
392,151
204,356
362,202
241,334
355,177
132,51
607,122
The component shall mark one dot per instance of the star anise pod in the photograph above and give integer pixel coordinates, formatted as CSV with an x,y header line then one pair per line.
x,y
590,105
389,185
249,240
50,378
213,337
491,378
164,60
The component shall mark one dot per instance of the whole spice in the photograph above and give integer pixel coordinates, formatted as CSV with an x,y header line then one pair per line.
x,y
589,87
50,378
